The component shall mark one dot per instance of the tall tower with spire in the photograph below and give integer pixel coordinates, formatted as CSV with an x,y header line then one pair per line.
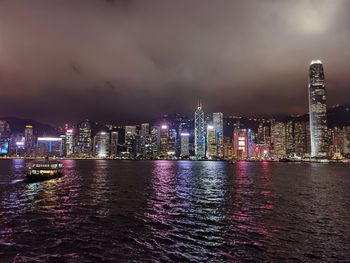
x,y
199,132
317,110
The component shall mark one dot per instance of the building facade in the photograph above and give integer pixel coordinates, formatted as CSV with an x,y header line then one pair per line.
x,y
318,110
199,132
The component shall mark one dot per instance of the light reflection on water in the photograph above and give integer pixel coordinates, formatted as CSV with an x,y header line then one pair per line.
x,y
175,211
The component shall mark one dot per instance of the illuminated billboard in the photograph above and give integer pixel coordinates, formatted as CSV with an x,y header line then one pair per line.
x,y
4,148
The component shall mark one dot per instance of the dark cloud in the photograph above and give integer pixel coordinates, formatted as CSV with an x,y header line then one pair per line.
x,y
127,61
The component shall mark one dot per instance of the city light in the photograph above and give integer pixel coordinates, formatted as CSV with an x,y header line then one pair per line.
x,y
49,139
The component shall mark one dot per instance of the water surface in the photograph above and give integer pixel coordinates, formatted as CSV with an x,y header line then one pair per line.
x,y
164,211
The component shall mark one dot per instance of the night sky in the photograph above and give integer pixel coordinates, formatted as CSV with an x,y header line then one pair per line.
x,y
129,61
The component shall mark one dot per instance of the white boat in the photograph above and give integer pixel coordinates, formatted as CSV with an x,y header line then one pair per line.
x,y
40,170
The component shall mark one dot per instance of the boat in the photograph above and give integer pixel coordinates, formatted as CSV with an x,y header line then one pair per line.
x,y
41,170
291,158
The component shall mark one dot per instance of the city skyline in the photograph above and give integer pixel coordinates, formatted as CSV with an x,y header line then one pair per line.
x,y
128,60
204,137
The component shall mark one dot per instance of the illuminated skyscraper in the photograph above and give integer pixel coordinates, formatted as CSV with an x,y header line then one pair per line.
x,y
185,151
29,139
211,142
199,132
240,144
155,141
69,142
243,145
130,139
144,131
300,138
290,144
164,140
114,144
4,137
144,141
278,139
101,144
172,143
218,122
49,146
4,130
317,110
84,139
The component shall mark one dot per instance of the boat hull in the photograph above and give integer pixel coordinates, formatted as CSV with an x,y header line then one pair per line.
x,y
42,177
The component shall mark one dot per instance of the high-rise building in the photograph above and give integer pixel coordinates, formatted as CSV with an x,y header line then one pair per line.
x,y
339,140
164,141
240,144
172,143
69,142
155,141
185,150
49,146
347,140
144,131
5,133
4,130
130,140
29,140
199,132
113,151
101,144
228,148
84,139
300,138
290,145
278,139
317,110
218,123
144,141
211,142
263,136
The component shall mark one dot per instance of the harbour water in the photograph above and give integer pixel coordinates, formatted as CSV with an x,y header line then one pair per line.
x,y
176,211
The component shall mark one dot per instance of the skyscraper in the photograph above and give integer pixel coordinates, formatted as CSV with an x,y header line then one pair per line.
x,y
278,139
290,144
199,132
218,122
130,139
113,152
185,151
4,137
4,130
240,144
69,142
211,142
144,131
101,144
300,138
29,139
84,138
164,140
317,110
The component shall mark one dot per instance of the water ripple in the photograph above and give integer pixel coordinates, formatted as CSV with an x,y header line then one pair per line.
x,y
165,211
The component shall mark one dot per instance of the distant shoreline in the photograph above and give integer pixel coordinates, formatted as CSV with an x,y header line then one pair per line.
x,y
228,161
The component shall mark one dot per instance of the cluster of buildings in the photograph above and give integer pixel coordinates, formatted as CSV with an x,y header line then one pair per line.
x,y
205,136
